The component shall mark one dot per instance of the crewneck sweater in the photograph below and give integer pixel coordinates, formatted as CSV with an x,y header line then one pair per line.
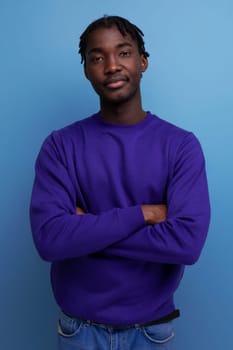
x,y
108,265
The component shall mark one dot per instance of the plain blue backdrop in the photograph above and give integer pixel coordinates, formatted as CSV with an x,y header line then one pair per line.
x,y
189,82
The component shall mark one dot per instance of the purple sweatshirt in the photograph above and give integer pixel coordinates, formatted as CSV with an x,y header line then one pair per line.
x,y
109,266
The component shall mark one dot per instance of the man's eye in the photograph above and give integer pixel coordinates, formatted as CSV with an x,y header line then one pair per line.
x,y
125,53
96,59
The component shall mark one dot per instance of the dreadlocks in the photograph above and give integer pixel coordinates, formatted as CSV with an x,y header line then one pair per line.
x,y
124,26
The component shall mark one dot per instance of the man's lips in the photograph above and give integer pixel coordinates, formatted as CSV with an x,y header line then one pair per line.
x,y
115,82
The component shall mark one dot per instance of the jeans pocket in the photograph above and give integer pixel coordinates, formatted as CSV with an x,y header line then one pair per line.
x,y
159,333
68,327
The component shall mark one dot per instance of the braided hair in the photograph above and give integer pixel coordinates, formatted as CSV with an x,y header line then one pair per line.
x,y
124,26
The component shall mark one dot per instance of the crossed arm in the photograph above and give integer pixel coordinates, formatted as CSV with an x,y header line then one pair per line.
x,y
172,233
152,213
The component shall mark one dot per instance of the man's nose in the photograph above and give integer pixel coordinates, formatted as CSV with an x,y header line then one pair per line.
x,y
112,65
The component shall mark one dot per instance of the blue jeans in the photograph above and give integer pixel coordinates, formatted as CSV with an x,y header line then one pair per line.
x,y
74,334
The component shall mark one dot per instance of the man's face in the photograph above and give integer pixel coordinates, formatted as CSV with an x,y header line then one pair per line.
x,y
113,65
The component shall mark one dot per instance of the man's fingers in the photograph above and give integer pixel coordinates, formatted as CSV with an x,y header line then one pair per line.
x,y
80,211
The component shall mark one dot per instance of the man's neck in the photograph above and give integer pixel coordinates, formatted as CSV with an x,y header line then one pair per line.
x,y
122,113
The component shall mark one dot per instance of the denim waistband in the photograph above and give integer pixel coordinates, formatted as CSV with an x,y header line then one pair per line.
x,y
174,314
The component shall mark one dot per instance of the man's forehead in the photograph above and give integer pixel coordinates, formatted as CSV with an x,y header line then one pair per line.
x,y
102,35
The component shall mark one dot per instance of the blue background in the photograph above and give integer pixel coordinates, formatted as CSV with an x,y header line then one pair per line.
x,y
189,82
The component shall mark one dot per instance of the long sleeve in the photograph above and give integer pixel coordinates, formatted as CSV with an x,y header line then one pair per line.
x,y
57,231
178,240
110,171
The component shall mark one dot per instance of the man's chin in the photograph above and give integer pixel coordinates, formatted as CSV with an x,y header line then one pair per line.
x,y
115,99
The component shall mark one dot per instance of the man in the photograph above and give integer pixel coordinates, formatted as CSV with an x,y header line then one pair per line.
x,y
119,205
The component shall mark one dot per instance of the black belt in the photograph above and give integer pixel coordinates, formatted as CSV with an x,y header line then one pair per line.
x,y
174,314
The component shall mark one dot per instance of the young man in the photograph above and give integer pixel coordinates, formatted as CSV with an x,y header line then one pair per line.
x,y
119,205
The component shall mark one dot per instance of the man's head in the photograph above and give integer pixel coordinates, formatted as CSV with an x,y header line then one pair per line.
x,y
123,25
114,57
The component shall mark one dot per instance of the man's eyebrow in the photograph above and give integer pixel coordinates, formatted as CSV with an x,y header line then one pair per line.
x,y
123,44
94,49
100,49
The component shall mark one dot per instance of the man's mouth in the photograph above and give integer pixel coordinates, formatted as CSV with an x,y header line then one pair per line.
x,y
115,82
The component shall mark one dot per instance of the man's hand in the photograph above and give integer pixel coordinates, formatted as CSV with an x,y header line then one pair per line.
x,y
80,211
154,213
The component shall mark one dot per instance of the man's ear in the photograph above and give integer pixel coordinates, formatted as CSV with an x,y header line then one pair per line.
x,y
85,70
144,63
